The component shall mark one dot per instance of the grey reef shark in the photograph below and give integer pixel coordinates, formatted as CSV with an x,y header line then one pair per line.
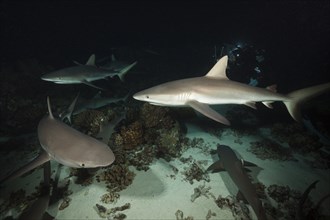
x,y
67,146
235,167
115,65
85,74
215,88
96,102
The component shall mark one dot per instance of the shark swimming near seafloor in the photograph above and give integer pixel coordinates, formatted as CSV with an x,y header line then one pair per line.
x,y
67,146
96,102
215,88
235,167
85,74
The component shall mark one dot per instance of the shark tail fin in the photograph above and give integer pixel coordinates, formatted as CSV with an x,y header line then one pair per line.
x,y
296,98
123,72
68,113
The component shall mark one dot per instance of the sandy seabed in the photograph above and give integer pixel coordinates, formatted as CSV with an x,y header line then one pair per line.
x,y
160,192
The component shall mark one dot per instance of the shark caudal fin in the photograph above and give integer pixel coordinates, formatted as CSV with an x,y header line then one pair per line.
x,y
123,72
66,114
299,96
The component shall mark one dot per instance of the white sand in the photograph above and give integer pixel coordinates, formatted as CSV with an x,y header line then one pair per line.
x,y
156,195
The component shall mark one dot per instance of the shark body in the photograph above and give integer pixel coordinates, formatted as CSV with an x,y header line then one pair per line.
x,y
96,102
234,166
67,146
215,88
84,74
115,65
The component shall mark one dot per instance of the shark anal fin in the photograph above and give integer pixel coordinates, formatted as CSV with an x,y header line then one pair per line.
x,y
216,167
92,85
251,104
268,104
208,112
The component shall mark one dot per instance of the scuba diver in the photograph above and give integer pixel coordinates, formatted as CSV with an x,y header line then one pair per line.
x,y
245,63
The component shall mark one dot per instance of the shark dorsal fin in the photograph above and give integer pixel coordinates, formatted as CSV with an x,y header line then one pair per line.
x,y
91,60
49,108
218,71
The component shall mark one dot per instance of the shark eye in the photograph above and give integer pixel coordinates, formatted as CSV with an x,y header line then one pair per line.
x,y
147,96
83,165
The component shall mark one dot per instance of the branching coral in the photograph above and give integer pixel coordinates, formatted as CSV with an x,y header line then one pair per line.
x,y
267,149
169,142
110,197
83,177
117,177
111,213
131,136
239,209
142,158
195,172
155,116
201,190
304,143
90,121
280,131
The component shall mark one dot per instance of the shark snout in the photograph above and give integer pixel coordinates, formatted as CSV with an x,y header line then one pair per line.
x,y
138,96
48,77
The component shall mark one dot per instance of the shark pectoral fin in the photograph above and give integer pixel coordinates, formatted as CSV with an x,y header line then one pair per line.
x,y
249,164
216,167
39,160
92,85
251,104
208,112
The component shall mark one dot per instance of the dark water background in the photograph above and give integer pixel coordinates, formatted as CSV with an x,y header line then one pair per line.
x,y
295,34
